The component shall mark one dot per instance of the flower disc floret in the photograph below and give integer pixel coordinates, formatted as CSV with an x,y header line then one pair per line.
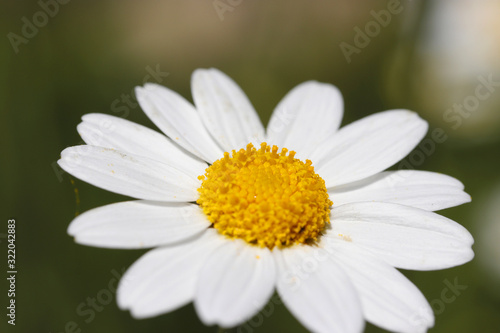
x,y
265,198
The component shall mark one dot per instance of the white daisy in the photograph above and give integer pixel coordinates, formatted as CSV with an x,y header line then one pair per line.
x,y
230,228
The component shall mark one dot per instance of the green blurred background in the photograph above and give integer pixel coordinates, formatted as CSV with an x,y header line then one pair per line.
x,y
87,57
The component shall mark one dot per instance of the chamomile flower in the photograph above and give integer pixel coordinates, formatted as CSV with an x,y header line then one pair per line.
x,y
235,212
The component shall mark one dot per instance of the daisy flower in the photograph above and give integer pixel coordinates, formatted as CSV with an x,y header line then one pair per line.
x,y
235,212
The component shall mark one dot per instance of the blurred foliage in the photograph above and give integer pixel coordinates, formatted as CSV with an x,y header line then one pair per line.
x,y
91,54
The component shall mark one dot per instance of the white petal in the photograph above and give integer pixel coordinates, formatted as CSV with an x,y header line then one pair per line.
x,y
317,291
368,146
165,278
235,282
138,224
225,109
136,176
113,132
421,189
305,117
403,236
388,298
178,119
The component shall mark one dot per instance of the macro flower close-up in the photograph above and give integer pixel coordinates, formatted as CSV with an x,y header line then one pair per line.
x,y
234,211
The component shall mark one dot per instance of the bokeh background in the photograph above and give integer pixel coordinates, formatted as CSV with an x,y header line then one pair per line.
x,y
87,56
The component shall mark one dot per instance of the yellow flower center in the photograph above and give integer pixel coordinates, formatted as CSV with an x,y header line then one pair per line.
x,y
265,198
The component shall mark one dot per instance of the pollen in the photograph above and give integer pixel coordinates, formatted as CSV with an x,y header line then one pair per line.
x,y
265,197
